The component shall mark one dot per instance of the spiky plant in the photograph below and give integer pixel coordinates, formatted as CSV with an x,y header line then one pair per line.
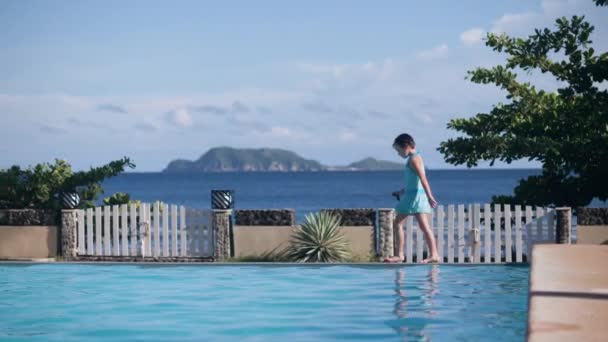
x,y
318,240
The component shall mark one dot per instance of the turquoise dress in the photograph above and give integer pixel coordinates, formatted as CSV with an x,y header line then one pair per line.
x,y
414,200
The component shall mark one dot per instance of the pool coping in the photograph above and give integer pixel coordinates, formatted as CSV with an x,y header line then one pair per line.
x,y
568,293
236,264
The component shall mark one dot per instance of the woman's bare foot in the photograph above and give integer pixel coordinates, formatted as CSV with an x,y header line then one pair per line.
x,y
393,259
431,260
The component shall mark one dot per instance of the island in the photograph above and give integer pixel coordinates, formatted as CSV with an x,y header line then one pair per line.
x,y
228,159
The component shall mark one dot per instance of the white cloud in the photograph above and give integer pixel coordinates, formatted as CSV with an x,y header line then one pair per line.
x,y
513,23
181,118
424,118
145,127
381,68
472,36
436,52
347,136
279,131
325,103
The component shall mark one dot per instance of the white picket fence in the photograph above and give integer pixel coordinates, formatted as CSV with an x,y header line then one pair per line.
x,y
157,230
470,234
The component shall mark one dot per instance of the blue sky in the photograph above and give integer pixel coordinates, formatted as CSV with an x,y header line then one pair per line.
x,y
91,81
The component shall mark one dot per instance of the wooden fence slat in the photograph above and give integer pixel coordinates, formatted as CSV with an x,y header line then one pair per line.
x,y
156,230
191,232
450,233
144,230
440,218
183,236
529,236
204,229
508,234
409,237
497,232
487,216
106,230
461,238
551,225
90,232
124,230
98,231
206,232
115,231
173,230
133,231
80,249
148,215
540,219
468,247
419,248
518,232
477,232
165,223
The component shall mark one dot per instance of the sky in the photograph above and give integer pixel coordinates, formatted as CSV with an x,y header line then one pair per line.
x,y
335,81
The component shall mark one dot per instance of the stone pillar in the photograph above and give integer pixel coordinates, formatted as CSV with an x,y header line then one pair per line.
x,y
68,233
386,219
222,234
563,226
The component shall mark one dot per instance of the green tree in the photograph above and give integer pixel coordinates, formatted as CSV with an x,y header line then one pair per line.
x,y
565,130
37,187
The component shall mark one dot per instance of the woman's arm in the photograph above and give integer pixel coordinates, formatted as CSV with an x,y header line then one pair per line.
x,y
416,163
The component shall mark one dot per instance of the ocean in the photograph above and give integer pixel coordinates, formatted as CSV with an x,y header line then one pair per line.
x,y
310,191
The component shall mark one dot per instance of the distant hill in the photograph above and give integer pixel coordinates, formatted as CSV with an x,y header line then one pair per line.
x,y
372,164
227,159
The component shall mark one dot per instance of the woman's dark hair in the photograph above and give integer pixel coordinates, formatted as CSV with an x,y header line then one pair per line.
x,y
404,140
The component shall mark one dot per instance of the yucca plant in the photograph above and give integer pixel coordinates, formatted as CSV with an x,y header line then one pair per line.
x,y
318,240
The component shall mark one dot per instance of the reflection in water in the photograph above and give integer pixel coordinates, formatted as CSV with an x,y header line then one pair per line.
x,y
414,322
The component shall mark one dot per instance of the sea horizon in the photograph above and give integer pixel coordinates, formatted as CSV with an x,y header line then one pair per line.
x,y
329,170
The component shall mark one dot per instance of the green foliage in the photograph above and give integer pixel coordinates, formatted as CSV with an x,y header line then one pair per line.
x,y
318,240
566,130
117,199
36,187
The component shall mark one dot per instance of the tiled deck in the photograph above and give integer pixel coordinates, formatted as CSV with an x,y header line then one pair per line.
x,y
568,293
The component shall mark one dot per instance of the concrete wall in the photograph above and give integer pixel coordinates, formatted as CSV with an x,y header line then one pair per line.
x,y
592,226
28,242
592,235
257,240
361,240
261,231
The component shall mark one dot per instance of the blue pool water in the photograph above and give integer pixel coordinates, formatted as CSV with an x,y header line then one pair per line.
x,y
262,303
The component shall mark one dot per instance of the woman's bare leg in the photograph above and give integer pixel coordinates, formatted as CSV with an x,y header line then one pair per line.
x,y
423,223
399,220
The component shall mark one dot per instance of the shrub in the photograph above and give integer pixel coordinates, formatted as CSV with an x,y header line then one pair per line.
x,y
37,187
318,240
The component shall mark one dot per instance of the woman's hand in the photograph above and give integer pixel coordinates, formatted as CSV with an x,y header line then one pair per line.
x,y
432,202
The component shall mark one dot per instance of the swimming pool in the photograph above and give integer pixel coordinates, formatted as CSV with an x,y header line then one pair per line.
x,y
78,302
